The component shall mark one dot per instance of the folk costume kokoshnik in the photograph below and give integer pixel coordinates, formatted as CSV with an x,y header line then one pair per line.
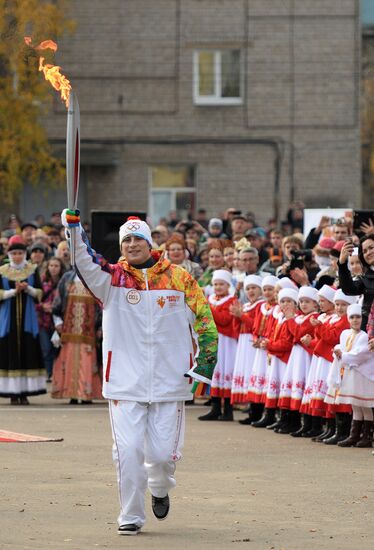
x,y
21,367
76,372
245,351
150,310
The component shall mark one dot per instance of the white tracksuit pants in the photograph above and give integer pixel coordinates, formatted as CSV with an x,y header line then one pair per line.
x,y
148,438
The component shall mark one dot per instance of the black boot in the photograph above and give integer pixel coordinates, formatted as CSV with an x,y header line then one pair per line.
x,y
282,421
227,415
292,425
257,410
366,439
215,411
306,426
251,415
340,429
267,418
328,432
354,436
316,428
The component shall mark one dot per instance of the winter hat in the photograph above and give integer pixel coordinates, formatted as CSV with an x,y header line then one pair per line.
x,y
135,226
308,292
285,282
269,280
222,275
354,309
16,243
336,249
327,292
327,242
215,222
37,246
339,295
288,293
252,280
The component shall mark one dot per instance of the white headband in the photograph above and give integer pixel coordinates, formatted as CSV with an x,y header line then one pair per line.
x,y
285,282
222,275
354,309
308,292
327,292
252,280
269,280
339,295
288,293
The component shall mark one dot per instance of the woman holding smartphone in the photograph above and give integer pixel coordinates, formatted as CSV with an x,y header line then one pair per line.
x,y
363,284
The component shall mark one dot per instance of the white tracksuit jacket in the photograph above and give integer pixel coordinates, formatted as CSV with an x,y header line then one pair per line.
x,y
150,319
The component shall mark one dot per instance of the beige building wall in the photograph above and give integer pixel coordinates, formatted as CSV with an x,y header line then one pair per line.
x,y
131,64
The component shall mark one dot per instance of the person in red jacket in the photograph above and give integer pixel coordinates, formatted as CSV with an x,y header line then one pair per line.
x,y
220,304
278,347
262,328
244,316
326,305
293,382
328,336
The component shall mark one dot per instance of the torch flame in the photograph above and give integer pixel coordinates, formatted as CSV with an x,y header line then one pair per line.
x,y
52,72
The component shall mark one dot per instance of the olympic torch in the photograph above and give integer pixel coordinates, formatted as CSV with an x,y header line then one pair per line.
x,y
72,162
60,83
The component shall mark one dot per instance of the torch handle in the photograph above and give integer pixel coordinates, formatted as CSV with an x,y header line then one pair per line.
x,y
73,162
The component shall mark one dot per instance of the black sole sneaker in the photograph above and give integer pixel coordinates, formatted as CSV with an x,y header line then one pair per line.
x,y
160,507
129,529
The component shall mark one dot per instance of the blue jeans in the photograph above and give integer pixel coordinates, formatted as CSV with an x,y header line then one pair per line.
x,y
48,351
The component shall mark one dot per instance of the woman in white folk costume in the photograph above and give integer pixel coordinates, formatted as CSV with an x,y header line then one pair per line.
x,y
262,328
244,316
294,379
351,380
220,303
326,305
278,348
150,310
328,336
22,371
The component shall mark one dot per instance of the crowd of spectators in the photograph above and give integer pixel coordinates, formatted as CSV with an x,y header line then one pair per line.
x,y
232,240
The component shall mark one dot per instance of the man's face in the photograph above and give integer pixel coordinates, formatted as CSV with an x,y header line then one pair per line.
x,y
248,262
135,249
276,240
192,234
157,237
340,232
37,257
239,226
287,249
215,230
255,241
28,235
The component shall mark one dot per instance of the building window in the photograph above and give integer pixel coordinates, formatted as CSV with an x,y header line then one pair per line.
x,y
172,189
217,78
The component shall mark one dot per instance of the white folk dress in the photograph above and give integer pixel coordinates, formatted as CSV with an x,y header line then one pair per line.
x,y
295,376
245,354
352,378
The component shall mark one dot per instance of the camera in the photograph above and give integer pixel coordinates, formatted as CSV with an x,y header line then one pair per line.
x,y
299,257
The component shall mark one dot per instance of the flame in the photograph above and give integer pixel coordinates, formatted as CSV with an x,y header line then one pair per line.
x,y
52,72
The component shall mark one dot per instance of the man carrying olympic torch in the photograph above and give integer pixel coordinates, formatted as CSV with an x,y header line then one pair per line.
x,y
152,311
154,318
